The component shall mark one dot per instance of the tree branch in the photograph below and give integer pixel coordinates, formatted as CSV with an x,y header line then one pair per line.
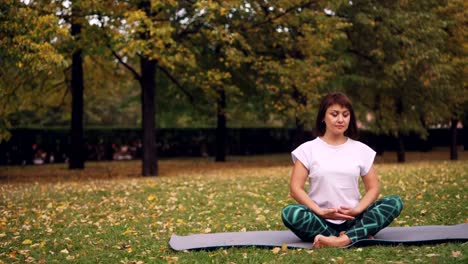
x,y
176,82
135,74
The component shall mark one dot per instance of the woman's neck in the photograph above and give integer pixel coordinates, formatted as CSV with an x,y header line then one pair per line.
x,y
334,139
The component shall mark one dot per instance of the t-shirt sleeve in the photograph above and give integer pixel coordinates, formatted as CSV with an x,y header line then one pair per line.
x,y
367,159
300,153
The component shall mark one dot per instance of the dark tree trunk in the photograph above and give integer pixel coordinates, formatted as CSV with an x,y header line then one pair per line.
x,y
221,130
148,111
453,141
401,144
77,150
401,157
465,135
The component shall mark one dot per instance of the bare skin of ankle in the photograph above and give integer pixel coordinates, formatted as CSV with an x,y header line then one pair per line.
x,y
331,241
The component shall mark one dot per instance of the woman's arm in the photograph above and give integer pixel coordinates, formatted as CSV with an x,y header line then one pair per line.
x,y
371,184
298,179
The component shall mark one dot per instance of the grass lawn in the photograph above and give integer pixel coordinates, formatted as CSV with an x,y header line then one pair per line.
x,y
107,214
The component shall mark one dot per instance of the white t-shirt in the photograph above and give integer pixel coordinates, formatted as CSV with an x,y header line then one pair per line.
x,y
334,171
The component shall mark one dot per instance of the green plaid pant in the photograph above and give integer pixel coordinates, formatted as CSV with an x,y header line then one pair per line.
x,y
306,224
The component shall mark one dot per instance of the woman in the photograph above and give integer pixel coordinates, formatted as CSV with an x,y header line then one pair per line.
x,y
332,213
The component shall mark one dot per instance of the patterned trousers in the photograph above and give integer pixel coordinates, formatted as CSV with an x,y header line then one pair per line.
x,y
306,224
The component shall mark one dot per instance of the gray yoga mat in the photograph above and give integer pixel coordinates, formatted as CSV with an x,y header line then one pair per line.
x,y
416,235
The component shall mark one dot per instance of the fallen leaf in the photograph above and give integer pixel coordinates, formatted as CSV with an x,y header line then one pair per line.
x,y
30,260
27,242
124,247
284,247
423,212
170,259
456,254
432,255
64,251
276,250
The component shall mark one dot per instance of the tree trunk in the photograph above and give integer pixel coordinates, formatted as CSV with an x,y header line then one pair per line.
x,y
465,135
401,157
401,144
77,150
148,88
221,130
453,141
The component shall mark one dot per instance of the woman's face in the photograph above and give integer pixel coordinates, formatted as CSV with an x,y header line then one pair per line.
x,y
337,119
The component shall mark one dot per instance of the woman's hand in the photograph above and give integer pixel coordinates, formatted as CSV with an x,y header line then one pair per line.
x,y
348,211
335,214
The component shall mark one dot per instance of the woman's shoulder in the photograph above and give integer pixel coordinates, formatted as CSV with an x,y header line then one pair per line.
x,y
359,144
310,143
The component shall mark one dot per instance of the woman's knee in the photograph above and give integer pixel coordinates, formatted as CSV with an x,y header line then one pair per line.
x,y
290,212
395,202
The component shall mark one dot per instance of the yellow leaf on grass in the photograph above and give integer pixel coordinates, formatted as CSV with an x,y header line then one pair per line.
x,y
261,218
129,231
456,254
276,250
284,247
151,198
27,242
170,259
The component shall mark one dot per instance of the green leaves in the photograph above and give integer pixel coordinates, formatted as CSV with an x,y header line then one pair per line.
x,y
400,63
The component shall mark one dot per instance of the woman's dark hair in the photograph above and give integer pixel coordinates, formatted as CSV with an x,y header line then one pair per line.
x,y
342,100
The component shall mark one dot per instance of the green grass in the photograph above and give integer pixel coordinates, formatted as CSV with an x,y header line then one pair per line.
x,y
107,214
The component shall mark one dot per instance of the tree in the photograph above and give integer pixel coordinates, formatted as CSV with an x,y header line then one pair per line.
x,y
30,59
256,48
146,30
453,13
396,65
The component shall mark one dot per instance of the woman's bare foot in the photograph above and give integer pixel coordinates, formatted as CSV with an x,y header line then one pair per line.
x,y
331,241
